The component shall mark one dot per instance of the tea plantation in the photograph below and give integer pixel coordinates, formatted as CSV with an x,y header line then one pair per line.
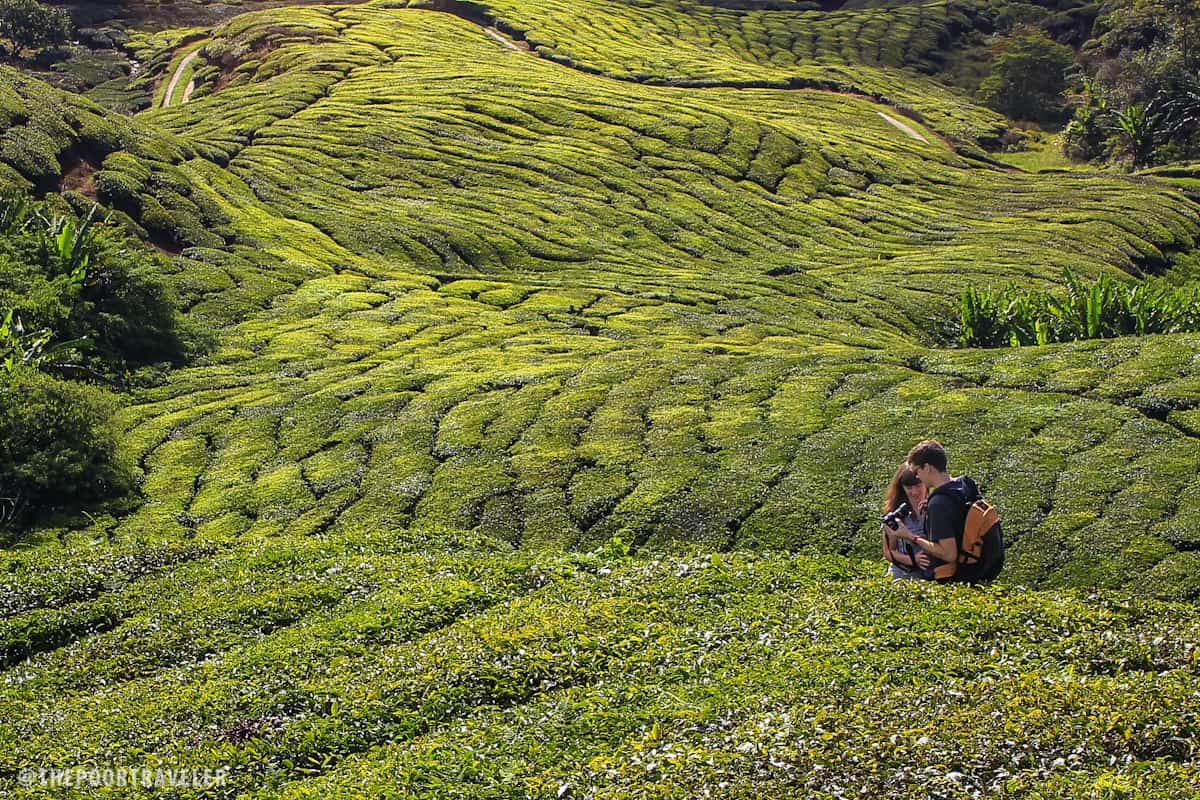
x,y
562,353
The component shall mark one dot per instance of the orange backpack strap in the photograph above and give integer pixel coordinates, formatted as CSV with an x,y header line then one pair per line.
x,y
981,518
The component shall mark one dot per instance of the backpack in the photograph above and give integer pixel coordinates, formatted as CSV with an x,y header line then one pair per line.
x,y
981,543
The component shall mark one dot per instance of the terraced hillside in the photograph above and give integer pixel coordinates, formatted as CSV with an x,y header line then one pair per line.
x,y
646,310
672,278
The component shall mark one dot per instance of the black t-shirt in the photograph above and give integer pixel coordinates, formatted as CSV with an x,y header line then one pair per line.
x,y
946,512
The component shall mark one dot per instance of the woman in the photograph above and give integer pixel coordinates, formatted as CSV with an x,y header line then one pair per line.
x,y
908,561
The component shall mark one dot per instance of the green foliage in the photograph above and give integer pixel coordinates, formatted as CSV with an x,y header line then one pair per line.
x,y
1161,39
1139,133
29,24
1086,135
1028,76
1137,128
32,152
79,301
1102,310
76,288
627,309
68,240
57,449
1143,84
881,52
447,666
21,348
15,210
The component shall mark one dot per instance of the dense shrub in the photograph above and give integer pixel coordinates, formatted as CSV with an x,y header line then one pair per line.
x,y
1086,135
84,282
56,447
1102,310
29,24
128,312
1028,76
77,300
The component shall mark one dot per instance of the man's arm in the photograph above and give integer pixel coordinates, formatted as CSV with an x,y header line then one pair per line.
x,y
942,542
945,549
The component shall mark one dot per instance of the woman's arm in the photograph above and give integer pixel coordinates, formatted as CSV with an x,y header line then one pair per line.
x,y
890,553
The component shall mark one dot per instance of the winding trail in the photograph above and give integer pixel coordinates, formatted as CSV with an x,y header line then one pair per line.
x,y
504,40
910,131
183,65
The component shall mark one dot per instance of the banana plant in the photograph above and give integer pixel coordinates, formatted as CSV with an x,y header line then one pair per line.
x,y
978,313
1020,317
21,348
71,241
1095,311
15,208
1041,332
1098,310
1138,128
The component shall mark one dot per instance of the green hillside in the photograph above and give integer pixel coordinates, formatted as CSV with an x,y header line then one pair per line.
x,y
563,353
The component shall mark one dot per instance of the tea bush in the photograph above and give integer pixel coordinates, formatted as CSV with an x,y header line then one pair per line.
x,y
453,317
58,446
446,665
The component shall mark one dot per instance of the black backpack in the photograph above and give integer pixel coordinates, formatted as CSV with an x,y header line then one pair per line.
x,y
981,543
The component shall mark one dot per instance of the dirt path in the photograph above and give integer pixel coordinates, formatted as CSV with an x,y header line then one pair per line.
x,y
910,131
504,40
175,79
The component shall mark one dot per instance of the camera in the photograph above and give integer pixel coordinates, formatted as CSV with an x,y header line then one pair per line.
x,y
893,519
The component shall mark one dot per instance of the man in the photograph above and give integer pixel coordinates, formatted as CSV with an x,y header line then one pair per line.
x,y
945,512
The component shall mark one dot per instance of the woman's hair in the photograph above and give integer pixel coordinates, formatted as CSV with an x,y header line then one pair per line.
x,y
895,491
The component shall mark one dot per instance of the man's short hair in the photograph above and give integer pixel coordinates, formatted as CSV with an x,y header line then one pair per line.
x,y
928,452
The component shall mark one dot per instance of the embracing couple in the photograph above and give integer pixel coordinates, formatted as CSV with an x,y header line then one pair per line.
x,y
925,515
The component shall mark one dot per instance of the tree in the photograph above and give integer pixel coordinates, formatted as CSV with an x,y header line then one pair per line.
x,y
57,447
1145,67
1028,76
1148,44
30,25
